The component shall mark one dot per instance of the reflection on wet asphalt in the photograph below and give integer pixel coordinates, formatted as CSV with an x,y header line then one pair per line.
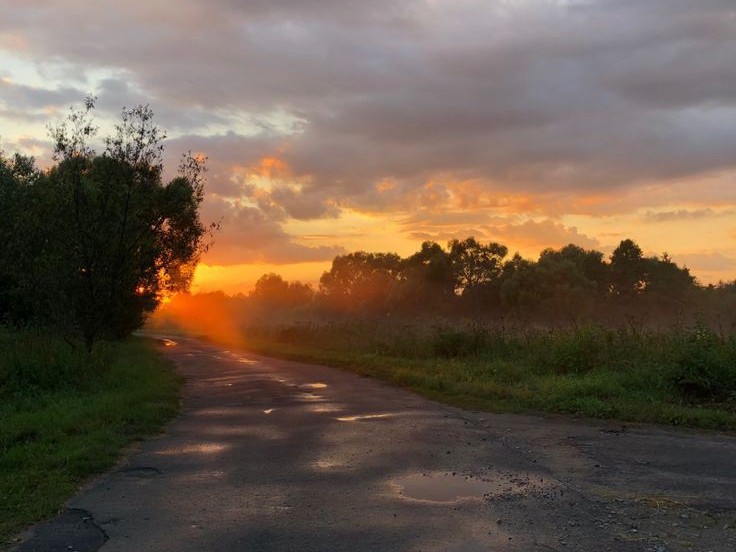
x,y
271,455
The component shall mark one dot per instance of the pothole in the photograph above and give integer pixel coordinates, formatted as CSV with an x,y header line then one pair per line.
x,y
449,487
442,487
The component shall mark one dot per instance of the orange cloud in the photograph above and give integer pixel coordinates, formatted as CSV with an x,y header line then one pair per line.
x,y
272,167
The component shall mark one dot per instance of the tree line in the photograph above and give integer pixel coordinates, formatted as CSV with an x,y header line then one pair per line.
x,y
91,244
471,279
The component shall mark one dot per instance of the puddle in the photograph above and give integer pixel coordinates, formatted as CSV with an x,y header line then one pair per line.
x,y
168,342
330,464
447,487
362,417
310,397
269,410
325,407
318,385
443,487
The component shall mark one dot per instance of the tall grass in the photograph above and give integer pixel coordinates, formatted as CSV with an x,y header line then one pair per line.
x,y
32,361
66,414
682,376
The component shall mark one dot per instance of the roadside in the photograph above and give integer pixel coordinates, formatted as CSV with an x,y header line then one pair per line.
x,y
271,455
66,415
576,373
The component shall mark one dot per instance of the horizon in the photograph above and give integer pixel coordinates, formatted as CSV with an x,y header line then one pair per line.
x,y
208,280
334,127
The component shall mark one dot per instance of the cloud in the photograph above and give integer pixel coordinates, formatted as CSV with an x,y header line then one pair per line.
x,y
532,234
488,108
713,261
23,97
681,214
536,94
246,235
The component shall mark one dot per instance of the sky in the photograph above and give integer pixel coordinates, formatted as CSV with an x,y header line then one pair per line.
x,y
333,126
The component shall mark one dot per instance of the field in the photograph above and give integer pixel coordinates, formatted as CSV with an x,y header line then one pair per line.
x,y
680,376
66,415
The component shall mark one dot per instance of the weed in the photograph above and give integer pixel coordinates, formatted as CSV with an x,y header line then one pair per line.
x,y
65,415
679,377
705,365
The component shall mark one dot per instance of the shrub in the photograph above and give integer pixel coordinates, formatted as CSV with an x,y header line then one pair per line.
x,y
705,365
453,343
576,351
33,360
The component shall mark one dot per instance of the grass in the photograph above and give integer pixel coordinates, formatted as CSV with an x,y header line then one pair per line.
x,y
682,376
66,415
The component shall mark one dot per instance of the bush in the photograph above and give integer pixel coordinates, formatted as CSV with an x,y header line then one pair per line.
x,y
453,343
576,351
33,360
705,365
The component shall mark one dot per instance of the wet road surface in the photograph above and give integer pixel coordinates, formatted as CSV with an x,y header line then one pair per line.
x,y
271,455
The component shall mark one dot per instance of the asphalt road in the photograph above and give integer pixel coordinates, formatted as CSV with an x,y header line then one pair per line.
x,y
270,455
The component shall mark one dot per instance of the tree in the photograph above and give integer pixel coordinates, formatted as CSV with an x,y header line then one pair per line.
x,y
360,281
521,283
106,237
426,281
666,280
627,270
477,270
271,290
588,263
17,174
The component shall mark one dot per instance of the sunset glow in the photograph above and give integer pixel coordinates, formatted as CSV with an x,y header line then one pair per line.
x,y
336,127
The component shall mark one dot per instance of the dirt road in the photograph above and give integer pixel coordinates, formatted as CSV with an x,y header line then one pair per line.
x,y
271,455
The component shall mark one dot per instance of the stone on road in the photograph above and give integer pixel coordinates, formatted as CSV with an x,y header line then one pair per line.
x,y
271,455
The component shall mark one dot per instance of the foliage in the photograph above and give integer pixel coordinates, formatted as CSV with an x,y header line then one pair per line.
x,y
94,242
590,371
426,280
705,365
361,281
33,361
569,286
477,269
272,291
65,415
449,342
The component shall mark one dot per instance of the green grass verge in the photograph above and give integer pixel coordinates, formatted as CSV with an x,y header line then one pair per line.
x,y
683,377
66,415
